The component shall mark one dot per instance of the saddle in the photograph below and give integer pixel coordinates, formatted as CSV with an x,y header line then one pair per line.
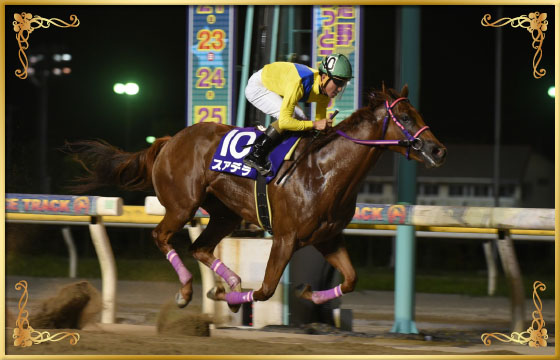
x,y
228,158
236,144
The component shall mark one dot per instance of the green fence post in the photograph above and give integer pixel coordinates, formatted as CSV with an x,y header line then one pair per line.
x,y
405,248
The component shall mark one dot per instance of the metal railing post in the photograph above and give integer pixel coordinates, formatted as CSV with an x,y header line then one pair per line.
x,y
513,275
72,253
106,258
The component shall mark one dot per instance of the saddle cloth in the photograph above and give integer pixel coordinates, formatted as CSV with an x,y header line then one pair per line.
x,y
229,155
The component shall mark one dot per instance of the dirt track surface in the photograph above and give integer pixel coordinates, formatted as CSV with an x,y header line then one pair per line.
x,y
449,325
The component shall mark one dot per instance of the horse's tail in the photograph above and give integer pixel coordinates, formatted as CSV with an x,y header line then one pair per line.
x,y
107,165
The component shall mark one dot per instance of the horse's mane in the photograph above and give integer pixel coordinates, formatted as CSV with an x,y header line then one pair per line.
x,y
375,98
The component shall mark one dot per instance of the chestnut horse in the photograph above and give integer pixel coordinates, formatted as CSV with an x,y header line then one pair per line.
x,y
311,207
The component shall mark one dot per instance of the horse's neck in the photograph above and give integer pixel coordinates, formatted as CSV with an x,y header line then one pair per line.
x,y
344,163
358,157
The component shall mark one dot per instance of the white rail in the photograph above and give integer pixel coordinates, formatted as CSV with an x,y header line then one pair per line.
x,y
370,219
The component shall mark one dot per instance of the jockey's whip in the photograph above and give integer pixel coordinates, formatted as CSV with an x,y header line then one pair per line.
x,y
286,175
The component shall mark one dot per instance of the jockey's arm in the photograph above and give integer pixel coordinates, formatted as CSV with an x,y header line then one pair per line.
x,y
286,121
321,120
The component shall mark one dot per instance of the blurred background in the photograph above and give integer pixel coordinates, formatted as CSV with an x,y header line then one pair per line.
x,y
69,95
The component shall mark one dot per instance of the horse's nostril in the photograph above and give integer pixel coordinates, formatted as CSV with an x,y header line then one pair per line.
x,y
439,153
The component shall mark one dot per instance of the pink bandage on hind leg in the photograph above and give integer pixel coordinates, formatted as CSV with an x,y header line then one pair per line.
x,y
229,276
234,297
184,274
319,297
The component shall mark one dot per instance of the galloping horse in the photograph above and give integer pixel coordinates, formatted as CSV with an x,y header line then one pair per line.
x,y
311,207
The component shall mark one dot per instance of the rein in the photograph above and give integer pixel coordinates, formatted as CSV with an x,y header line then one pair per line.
x,y
412,141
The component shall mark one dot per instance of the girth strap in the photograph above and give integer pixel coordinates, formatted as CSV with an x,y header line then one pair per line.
x,y
263,207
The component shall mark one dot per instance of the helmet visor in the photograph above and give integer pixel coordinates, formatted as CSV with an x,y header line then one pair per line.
x,y
341,84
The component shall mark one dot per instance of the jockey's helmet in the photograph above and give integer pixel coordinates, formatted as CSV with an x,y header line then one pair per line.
x,y
336,66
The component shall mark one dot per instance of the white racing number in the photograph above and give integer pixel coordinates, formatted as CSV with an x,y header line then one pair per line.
x,y
231,140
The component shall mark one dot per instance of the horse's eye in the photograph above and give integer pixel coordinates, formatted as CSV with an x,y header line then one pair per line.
x,y
405,118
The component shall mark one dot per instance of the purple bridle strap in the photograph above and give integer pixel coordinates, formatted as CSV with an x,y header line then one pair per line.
x,y
369,142
410,139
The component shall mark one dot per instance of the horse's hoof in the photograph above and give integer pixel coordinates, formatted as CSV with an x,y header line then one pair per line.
x,y
303,291
214,292
235,308
180,300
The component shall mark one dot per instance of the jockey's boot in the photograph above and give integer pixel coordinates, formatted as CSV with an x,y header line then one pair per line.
x,y
258,157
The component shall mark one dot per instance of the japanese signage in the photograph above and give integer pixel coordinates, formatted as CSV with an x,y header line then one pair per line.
x,y
234,146
210,64
231,151
336,29
51,204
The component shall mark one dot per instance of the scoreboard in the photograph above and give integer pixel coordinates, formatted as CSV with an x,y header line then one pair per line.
x,y
210,64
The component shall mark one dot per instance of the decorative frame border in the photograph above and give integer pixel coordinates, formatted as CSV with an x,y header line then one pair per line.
x,y
535,23
363,2
535,336
24,24
24,335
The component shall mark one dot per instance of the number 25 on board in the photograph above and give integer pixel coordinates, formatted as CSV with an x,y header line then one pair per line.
x,y
215,114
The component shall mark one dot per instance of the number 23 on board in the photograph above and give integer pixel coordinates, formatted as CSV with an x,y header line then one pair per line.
x,y
211,40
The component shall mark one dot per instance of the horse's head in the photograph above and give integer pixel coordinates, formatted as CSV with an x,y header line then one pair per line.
x,y
402,122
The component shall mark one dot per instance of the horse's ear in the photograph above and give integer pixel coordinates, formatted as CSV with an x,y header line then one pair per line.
x,y
383,87
404,91
371,97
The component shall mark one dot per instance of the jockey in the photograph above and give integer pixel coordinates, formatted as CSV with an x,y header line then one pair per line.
x,y
276,90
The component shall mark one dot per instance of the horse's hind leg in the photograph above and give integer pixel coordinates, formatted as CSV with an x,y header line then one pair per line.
x,y
170,224
336,254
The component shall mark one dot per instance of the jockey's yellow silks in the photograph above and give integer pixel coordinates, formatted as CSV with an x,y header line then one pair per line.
x,y
294,83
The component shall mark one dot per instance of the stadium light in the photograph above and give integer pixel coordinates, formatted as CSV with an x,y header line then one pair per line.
x,y
128,88
552,92
150,139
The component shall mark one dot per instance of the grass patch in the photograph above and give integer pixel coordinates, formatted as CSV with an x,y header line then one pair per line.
x,y
369,278
127,269
461,283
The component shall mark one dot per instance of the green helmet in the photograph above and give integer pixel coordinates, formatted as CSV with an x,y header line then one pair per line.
x,y
336,65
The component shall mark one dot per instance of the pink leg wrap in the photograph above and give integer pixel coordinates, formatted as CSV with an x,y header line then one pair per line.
x,y
319,297
234,297
184,274
229,276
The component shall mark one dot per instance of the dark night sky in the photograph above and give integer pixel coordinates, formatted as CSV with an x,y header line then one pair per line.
x,y
147,44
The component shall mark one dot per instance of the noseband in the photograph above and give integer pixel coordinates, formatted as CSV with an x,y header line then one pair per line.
x,y
411,141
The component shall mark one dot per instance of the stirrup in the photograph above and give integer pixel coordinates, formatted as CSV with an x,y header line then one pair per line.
x,y
263,170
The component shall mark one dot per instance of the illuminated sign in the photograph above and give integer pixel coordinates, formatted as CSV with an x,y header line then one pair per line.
x,y
210,64
336,29
50,204
381,214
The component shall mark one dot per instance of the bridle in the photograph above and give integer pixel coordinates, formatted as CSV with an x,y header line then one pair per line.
x,y
412,141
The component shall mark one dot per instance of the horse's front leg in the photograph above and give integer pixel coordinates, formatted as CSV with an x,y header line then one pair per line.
x,y
222,222
336,254
280,254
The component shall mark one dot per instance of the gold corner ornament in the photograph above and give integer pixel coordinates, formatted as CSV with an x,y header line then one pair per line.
x,y
535,23
25,335
535,336
24,24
